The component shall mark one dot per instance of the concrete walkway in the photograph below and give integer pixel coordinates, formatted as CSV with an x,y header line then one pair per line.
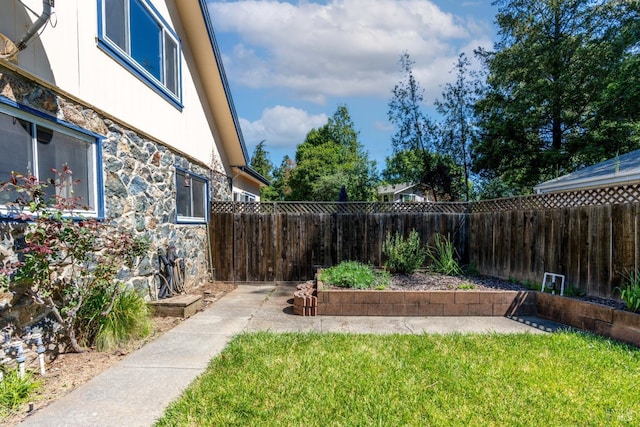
x,y
137,390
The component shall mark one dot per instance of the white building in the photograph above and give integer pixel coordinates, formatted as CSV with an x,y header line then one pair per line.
x,y
132,95
405,192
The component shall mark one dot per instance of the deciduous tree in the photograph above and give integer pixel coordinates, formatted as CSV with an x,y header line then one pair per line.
x,y
457,126
329,158
414,138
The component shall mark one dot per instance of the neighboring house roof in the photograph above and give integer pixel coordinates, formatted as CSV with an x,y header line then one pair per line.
x,y
618,170
395,188
199,32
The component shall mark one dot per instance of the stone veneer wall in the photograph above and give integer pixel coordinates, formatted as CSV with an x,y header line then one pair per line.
x,y
139,184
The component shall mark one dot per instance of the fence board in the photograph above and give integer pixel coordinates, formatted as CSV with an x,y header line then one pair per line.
x,y
623,240
590,244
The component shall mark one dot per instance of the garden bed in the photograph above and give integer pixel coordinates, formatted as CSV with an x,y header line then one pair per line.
x,y
429,294
604,320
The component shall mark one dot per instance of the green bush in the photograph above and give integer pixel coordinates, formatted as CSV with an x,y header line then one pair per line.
x,y
443,257
15,391
354,275
630,294
130,318
63,260
403,255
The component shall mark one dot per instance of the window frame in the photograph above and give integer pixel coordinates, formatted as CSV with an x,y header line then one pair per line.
x,y
181,219
244,196
127,61
37,118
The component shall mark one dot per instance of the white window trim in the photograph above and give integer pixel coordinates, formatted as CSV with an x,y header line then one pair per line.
x,y
181,219
246,195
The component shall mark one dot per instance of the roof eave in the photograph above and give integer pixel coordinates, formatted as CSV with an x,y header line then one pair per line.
x,y
600,181
207,59
252,175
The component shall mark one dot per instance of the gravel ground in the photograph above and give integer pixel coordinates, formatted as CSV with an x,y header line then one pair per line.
x,y
424,281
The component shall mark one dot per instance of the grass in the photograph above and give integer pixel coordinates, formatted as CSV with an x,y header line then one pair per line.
x,y
266,379
355,275
130,318
15,391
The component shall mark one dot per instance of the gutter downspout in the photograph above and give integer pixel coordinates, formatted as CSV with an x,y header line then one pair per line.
x,y
31,31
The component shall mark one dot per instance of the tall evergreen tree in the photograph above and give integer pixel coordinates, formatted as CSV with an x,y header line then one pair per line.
x,y
553,102
457,127
414,137
261,163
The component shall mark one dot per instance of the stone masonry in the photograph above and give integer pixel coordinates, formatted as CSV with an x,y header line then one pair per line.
x,y
139,185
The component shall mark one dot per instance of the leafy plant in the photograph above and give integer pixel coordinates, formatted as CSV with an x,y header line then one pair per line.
x,y
14,391
129,319
403,255
530,284
630,293
354,275
443,257
572,291
64,260
466,286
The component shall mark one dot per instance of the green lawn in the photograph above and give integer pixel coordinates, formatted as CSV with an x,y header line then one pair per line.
x,y
562,379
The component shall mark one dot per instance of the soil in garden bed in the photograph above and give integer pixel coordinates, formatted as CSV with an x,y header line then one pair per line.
x,y
427,281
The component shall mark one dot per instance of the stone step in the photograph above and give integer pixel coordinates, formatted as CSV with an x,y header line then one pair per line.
x,y
179,306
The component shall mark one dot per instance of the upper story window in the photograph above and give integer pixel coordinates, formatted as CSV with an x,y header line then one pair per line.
x,y
243,196
135,34
37,146
192,197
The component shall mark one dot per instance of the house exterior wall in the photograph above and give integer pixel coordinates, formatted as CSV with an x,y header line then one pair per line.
x,y
245,190
139,180
67,56
64,77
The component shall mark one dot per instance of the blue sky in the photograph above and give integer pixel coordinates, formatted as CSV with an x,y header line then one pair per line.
x,y
290,64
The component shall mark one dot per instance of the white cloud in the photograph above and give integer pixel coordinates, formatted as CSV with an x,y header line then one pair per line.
x,y
342,48
383,126
281,127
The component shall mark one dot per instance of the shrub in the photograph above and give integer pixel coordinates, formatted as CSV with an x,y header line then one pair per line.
x,y
14,391
130,318
107,324
354,275
443,257
630,294
64,260
403,255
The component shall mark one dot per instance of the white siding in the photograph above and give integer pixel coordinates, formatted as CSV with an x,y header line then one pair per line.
x,y
67,56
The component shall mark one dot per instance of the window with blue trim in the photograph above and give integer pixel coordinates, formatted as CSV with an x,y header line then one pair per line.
x,y
136,35
191,197
37,146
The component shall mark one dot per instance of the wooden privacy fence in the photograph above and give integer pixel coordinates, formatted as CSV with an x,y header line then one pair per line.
x,y
591,236
288,241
